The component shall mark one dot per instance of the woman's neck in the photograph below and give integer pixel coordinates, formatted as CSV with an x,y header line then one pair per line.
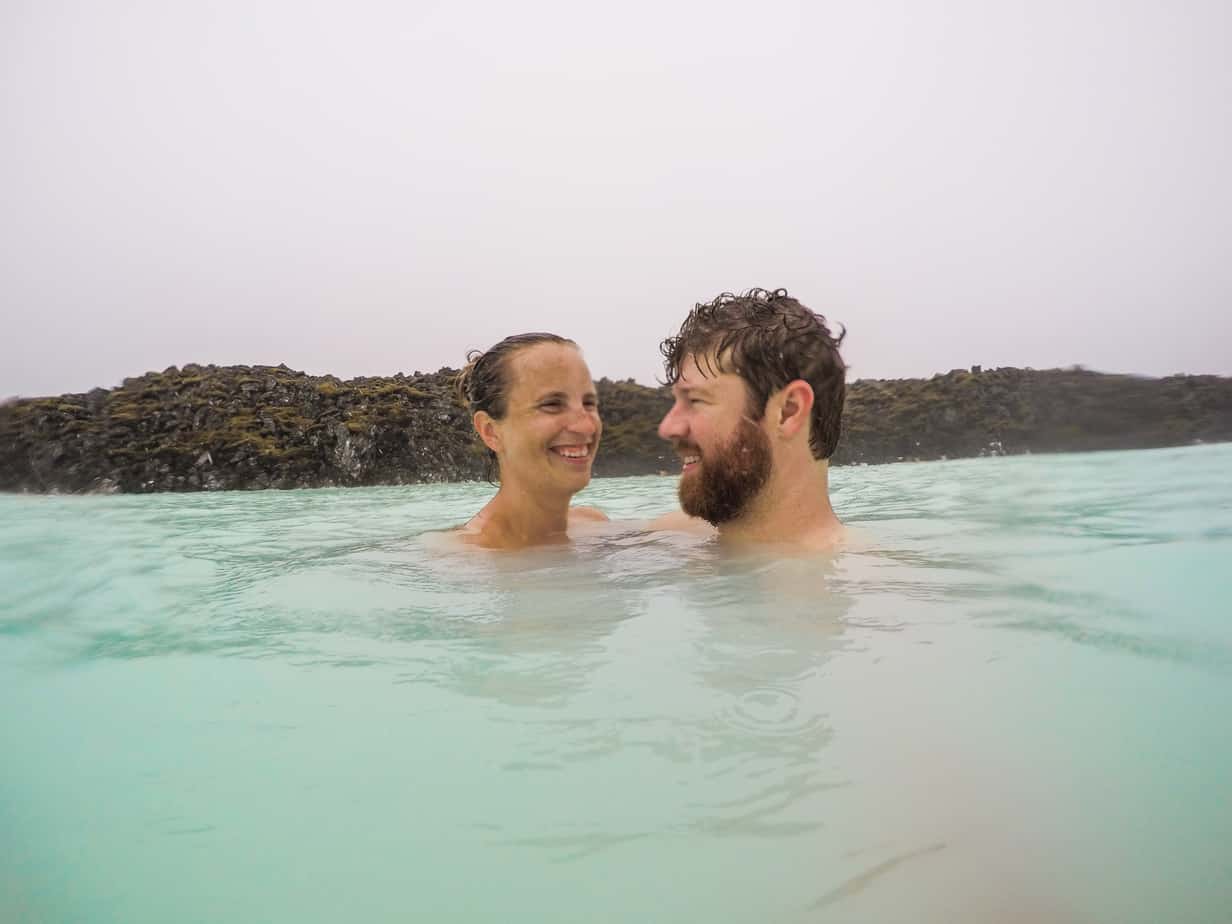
x,y
517,517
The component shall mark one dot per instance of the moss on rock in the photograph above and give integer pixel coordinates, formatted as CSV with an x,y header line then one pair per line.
x,y
211,427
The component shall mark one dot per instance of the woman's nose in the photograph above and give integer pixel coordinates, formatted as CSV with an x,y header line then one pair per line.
x,y
585,421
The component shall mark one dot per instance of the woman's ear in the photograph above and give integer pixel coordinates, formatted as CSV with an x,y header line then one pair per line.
x,y
485,426
795,406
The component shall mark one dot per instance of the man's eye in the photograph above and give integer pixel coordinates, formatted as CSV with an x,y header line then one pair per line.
x,y
551,405
592,404
696,401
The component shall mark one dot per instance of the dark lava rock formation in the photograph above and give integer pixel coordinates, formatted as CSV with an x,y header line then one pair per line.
x,y
211,428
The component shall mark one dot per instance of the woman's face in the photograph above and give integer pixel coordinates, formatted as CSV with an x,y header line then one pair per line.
x,y
547,439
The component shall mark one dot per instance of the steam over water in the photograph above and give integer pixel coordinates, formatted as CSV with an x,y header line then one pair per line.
x,y
1009,700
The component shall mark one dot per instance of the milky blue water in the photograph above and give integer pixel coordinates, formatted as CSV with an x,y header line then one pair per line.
x,y
1011,700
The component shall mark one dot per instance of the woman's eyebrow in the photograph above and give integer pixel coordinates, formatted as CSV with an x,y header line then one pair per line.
x,y
563,396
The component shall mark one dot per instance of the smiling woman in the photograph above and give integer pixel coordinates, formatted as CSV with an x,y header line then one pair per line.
x,y
534,406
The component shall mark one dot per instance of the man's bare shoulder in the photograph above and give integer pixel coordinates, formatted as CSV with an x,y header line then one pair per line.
x,y
681,522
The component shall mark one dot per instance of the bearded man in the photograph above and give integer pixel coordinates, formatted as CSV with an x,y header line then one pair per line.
x,y
759,385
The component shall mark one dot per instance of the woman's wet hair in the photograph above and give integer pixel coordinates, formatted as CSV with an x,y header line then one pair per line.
x,y
769,339
483,384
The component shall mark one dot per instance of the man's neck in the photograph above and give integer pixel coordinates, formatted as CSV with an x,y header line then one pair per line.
x,y
793,508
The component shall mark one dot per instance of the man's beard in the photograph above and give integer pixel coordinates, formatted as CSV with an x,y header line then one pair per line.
x,y
728,477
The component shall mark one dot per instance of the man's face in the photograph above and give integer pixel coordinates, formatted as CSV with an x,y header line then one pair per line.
x,y
725,455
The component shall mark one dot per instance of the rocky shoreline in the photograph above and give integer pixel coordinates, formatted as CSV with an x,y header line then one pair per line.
x,y
203,428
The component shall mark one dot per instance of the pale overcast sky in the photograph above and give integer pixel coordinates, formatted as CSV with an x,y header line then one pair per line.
x,y
363,188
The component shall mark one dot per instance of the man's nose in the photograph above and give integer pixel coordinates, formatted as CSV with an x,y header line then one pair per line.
x,y
671,427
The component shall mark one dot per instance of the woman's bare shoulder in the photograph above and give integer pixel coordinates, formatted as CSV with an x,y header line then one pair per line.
x,y
587,514
448,540
679,521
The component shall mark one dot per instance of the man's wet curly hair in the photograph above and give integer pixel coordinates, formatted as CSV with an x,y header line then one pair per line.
x,y
769,339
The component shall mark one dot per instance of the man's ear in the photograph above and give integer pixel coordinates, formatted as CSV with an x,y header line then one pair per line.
x,y
485,426
795,406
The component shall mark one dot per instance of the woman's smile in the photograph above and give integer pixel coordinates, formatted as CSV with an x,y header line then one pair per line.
x,y
575,453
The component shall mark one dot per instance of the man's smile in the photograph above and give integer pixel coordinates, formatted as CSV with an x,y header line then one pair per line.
x,y
690,457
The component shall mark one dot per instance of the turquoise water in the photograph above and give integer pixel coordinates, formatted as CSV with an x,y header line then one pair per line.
x,y
1010,702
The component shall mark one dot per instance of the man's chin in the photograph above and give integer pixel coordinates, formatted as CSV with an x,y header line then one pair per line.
x,y
737,473
690,495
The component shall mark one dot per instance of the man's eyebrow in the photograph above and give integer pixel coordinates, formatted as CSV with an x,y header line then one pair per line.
x,y
702,390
